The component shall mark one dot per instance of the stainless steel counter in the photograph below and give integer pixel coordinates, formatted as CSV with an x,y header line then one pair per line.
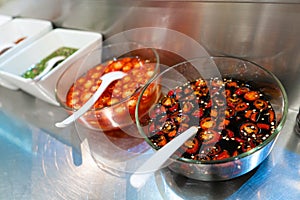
x,y
39,161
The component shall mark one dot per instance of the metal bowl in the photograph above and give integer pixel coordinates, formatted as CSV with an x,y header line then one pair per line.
x,y
231,167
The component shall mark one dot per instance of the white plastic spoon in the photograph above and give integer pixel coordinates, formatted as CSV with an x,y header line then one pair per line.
x,y
106,80
141,175
6,46
49,65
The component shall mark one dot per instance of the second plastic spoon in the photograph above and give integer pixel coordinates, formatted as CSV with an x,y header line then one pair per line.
x,y
49,65
106,80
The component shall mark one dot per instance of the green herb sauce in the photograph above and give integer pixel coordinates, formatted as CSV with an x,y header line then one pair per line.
x,y
38,68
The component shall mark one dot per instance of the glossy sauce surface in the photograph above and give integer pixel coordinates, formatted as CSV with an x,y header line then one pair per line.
x,y
232,117
38,68
121,95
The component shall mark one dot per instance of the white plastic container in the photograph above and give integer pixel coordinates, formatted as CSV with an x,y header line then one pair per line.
x,y
30,29
12,69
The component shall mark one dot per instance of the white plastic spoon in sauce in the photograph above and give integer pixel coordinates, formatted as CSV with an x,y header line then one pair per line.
x,y
49,65
154,163
106,80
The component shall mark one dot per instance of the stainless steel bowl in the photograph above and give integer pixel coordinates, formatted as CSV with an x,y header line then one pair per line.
x,y
228,168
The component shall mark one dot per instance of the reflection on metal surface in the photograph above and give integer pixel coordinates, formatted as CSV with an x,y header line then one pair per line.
x,y
115,152
16,132
56,177
269,176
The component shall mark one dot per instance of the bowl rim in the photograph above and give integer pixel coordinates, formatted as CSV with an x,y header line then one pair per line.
x,y
123,100
271,138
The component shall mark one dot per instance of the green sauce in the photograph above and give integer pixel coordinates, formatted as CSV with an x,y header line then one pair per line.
x,y
38,68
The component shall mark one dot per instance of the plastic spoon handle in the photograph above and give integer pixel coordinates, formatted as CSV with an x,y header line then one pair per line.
x,y
141,175
6,46
106,80
49,65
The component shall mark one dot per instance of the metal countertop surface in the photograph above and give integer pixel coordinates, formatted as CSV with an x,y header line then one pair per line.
x,y
39,161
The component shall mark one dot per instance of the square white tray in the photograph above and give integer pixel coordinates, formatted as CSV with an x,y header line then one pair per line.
x,y
15,29
44,89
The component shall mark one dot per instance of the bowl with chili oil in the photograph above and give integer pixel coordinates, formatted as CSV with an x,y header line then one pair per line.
x,y
238,106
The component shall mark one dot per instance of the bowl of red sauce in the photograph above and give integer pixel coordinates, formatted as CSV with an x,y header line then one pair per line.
x,y
238,107
115,108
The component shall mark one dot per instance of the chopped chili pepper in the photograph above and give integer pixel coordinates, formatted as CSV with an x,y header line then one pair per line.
x,y
213,150
161,141
242,90
251,96
167,101
241,106
223,155
172,93
248,129
263,126
228,133
254,116
229,112
200,83
232,84
233,101
207,123
174,108
248,113
191,146
188,106
260,104
198,113
209,137
168,127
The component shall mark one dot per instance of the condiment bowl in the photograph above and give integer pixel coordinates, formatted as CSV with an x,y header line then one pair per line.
x,y
213,93
115,108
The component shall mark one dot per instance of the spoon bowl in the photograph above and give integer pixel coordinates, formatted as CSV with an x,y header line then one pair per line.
x,y
49,65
